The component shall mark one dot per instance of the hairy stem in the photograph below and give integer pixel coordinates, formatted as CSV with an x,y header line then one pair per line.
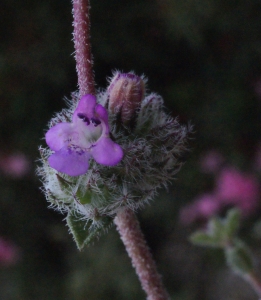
x,y
81,37
137,248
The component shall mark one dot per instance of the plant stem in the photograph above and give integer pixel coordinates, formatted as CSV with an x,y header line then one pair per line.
x,y
137,248
83,56
254,282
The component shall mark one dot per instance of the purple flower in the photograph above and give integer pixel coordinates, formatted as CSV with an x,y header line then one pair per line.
x,y
87,136
203,208
240,189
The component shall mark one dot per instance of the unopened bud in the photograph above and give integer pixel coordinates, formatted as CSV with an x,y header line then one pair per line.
x,y
126,91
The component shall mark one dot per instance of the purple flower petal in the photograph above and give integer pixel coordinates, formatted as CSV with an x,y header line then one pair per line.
x,y
58,136
106,152
85,106
72,161
88,135
102,113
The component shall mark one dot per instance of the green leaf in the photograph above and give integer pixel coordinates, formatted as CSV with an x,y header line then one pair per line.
x,y
202,238
216,229
239,258
51,197
220,232
64,184
232,223
82,231
85,198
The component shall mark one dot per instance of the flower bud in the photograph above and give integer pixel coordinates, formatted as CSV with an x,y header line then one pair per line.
x,y
126,91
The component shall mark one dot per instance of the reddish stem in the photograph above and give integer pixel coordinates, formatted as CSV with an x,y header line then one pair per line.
x,y
137,248
81,37
254,282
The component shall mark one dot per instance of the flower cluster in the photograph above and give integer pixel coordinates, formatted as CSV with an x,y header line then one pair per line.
x,y
98,161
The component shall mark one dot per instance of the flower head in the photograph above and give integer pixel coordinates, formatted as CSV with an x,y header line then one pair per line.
x,y
151,140
87,136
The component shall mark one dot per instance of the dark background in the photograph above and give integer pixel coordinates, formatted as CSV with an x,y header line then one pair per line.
x,y
204,58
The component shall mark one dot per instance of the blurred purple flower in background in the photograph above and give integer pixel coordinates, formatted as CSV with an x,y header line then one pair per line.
x,y
239,189
14,165
87,136
232,188
8,252
203,207
211,161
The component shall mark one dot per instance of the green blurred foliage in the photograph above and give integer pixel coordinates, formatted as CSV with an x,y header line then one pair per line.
x,y
203,57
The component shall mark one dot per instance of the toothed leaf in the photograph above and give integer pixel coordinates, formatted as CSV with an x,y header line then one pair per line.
x,y
83,232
